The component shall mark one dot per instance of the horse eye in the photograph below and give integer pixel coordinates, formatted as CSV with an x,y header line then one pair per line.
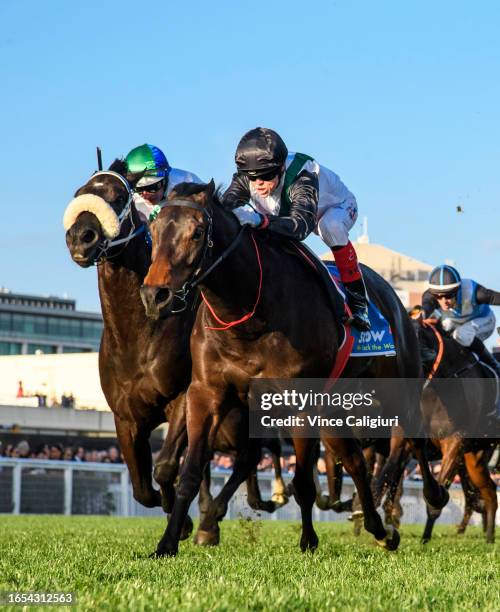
x,y
198,233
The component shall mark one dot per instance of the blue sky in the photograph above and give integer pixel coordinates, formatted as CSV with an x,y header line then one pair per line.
x,y
399,98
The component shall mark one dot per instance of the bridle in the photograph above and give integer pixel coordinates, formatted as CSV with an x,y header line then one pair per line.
x,y
125,213
199,275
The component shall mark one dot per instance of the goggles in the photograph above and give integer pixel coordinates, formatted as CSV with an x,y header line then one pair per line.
x,y
153,188
267,176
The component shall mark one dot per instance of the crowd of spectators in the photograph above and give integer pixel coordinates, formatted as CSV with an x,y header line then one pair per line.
x,y
220,462
58,452
67,400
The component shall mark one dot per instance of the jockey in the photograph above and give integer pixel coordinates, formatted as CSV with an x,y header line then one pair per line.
x,y
157,181
292,195
462,305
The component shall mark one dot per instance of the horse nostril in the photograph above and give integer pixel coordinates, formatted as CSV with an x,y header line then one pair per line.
x,y
162,296
89,236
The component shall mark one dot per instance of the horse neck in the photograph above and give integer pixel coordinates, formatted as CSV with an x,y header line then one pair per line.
x,y
233,284
120,279
455,357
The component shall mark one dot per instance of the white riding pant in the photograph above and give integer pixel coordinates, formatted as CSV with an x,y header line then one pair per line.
x,y
464,333
335,223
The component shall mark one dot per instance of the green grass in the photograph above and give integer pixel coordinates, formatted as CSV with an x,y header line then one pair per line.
x,y
258,566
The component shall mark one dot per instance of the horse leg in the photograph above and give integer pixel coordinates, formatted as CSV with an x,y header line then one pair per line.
x,y
322,500
355,464
134,444
202,425
254,498
246,462
167,463
304,489
393,467
471,495
479,474
435,494
451,449
279,496
357,510
334,475
205,500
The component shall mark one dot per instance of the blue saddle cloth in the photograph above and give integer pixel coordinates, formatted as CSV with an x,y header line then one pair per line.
x,y
379,340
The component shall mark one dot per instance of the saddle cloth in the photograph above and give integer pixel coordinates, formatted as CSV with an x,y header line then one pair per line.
x,y
376,342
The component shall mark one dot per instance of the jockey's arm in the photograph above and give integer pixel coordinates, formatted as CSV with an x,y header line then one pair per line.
x,y
238,192
302,219
487,296
429,304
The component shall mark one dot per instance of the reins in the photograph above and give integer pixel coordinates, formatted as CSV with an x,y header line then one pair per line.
x,y
198,276
249,315
432,324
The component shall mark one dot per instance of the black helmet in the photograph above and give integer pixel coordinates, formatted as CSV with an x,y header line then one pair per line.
x,y
444,280
260,151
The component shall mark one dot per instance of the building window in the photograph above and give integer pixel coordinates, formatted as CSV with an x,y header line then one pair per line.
x,y
44,348
5,321
10,348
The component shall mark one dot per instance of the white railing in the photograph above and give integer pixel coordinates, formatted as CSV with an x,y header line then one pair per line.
x,y
29,486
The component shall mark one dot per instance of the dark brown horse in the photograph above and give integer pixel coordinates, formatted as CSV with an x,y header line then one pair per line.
x,y
445,358
282,335
144,365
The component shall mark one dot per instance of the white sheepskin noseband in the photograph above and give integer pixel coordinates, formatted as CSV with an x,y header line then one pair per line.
x,y
99,207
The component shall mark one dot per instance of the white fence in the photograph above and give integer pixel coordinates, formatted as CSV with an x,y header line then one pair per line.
x,y
67,487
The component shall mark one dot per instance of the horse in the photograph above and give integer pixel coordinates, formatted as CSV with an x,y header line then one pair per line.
x,y
450,426
196,243
144,365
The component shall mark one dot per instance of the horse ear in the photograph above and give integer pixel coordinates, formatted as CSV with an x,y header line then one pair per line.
x,y
119,166
210,189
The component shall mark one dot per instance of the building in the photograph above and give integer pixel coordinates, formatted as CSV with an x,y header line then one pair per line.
x,y
36,324
408,276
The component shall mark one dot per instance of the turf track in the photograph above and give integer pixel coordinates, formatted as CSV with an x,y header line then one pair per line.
x,y
104,560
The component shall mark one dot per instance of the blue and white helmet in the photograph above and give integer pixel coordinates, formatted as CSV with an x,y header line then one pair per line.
x,y
444,280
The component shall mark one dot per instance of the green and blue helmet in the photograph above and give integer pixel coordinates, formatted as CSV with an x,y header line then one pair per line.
x,y
150,160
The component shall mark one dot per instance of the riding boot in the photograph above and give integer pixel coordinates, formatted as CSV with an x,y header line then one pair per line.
x,y
357,301
484,355
352,279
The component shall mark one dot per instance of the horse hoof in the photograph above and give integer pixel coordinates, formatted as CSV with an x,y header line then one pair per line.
x,y
309,544
279,499
440,503
207,538
426,540
267,506
391,540
460,530
336,506
187,528
164,551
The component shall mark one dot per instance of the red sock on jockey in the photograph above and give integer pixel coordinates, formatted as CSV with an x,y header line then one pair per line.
x,y
347,263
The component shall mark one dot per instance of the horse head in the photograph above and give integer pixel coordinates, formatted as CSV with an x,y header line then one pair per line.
x,y
100,212
182,238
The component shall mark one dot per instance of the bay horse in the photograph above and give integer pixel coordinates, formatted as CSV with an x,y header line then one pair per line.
x,y
144,365
445,358
282,335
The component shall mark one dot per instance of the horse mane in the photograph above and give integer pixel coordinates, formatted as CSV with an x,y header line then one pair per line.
x,y
185,190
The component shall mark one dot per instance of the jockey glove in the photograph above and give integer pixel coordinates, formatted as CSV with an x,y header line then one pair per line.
x,y
248,216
